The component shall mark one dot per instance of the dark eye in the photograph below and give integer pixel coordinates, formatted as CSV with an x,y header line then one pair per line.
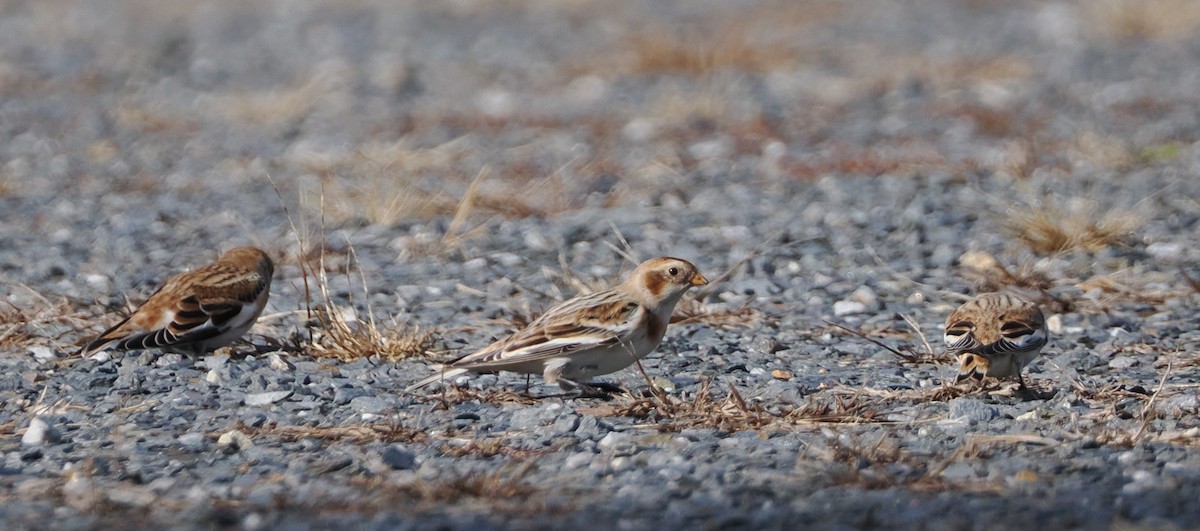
x,y
673,271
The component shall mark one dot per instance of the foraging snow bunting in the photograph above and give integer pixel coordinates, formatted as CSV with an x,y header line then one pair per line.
x,y
197,311
995,335
589,335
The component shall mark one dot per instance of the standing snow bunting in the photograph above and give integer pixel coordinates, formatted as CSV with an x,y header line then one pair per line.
x,y
995,335
197,311
589,335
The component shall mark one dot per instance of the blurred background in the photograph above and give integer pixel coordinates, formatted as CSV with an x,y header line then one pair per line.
x,y
378,112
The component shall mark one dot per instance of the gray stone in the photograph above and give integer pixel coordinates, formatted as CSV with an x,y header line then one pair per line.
x,y
369,405
399,458
971,410
262,399
847,307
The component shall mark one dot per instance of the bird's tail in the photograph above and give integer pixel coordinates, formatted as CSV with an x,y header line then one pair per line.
x,y
972,367
442,374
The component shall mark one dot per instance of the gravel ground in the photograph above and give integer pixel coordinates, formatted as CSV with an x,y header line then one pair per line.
x,y
858,169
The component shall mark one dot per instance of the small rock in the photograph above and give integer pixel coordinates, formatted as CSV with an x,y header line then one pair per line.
x,y
79,492
343,395
193,441
1122,362
1054,324
262,399
781,374
278,363
616,442
39,433
971,410
235,440
399,458
848,307
42,353
978,261
368,405
1166,251
866,296
213,377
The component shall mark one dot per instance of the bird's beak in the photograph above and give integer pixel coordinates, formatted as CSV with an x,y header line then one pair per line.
x,y
699,280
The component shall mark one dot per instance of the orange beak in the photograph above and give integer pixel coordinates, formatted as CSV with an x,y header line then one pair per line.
x,y
699,280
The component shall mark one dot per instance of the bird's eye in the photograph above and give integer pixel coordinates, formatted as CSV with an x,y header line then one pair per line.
x,y
673,271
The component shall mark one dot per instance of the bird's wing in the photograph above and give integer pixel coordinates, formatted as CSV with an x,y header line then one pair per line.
x,y
598,320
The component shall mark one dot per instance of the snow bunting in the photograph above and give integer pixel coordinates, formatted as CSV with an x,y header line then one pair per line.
x,y
197,311
995,335
589,335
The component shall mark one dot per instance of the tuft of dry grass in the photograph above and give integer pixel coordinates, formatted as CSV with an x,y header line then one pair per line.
x,y
345,337
1049,228
22,325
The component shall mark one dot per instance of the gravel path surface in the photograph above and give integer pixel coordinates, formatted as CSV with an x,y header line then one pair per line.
x,y
852,171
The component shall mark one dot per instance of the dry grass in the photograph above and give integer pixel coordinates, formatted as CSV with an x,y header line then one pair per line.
x,y
487,448
357,434
22,325
908,354
501,491
869,162
385,182
281,107
755,39
693,311
1050,227
1143,19
456,395
733,413
1113,289
345,337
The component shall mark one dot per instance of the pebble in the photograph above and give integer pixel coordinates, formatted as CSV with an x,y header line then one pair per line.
x,y
399,458
39,433
843,308
235,440
262,399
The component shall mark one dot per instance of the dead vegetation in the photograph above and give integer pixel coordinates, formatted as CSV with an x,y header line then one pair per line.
x,y
1143,19
452,394
909,354
692,311
38,318
356,434
1047,227
485,449
754,39
703,409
